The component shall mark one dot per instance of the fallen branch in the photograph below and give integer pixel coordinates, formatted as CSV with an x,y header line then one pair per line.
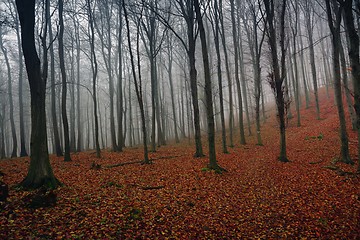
x,y
140,161
152,187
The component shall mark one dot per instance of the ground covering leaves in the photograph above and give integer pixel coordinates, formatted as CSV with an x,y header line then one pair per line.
x,y
174,198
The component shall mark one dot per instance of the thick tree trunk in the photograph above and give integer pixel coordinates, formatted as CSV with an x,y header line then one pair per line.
x,y
40,172
355,61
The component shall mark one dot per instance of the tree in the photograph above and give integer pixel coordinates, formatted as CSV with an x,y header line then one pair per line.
x,y
11,103
277,75
186,12
40,172
228,75
138,85
294,30
354,43
309,21
94,67
55,126
208,92
152,43
236,57
67,157
216,30
333,11
255,50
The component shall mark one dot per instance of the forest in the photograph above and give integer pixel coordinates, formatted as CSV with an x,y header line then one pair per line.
x,y
183,119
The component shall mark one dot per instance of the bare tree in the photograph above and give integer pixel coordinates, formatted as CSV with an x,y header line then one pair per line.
x,y
138,85
40,172
208,92
10,95
94,67
354,43
277,76
67,157
236,57
333,11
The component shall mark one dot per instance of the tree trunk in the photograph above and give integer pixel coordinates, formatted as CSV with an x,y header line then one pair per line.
x,y
229,79
11,103
138,88
353,36
218,65
312,57
23,151
336,43
277,77
208,92
94,78
67,157
120,100
238,86
40,172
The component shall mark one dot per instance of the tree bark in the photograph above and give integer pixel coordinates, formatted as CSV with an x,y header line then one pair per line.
x,y
334,25
238,86
40,172
67,157
277,76
208,92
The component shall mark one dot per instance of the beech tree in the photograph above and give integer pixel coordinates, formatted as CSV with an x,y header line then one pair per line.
x,y
40,172
137,83
277,74
10,95
333,10
208,92
354,43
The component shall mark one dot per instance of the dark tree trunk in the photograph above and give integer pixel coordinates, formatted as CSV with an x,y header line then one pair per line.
x,y
67,157
216,30
94,67
334,25
40,172
55,126
353,36
208,92
277,77
138,88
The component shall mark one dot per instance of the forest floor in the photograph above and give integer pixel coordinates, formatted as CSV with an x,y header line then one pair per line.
x,y
174,198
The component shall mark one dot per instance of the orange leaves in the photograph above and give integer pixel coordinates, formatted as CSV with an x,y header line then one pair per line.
x,y
258,197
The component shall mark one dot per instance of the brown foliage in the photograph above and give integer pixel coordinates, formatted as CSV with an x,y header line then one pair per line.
x,y
259,197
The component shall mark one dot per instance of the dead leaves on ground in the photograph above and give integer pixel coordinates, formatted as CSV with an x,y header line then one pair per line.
x,y
258,197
